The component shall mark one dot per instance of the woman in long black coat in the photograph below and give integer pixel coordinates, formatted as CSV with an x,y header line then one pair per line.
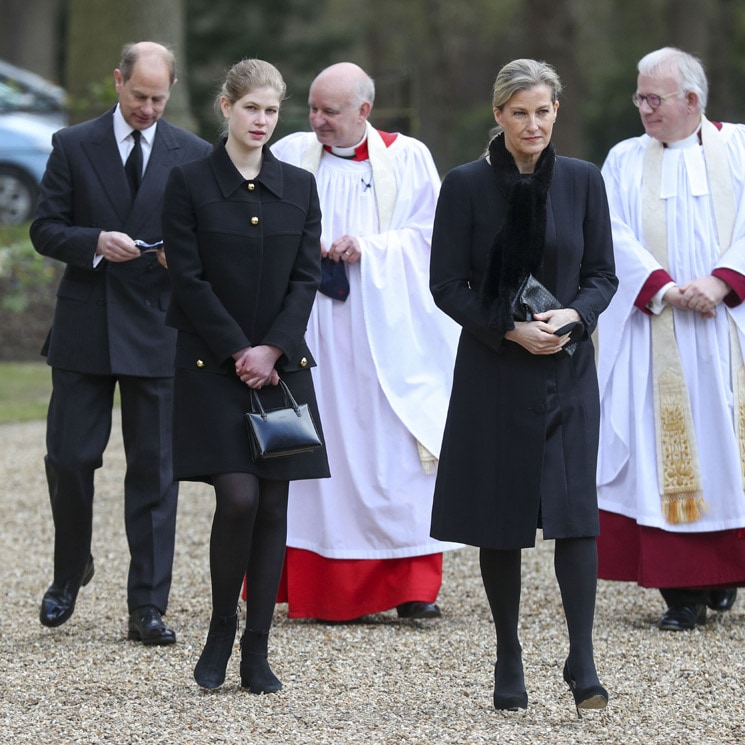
x,y
242,237
521,438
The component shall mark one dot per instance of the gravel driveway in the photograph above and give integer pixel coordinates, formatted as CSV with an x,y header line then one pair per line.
x,y
376,682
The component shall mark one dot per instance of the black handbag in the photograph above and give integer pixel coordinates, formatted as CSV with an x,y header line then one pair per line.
x,y
531,298
274,433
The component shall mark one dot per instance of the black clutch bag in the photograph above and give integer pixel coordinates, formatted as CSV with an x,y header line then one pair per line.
x,y
274,433
531,298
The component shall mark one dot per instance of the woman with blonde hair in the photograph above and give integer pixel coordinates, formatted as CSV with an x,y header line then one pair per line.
x,y
521,438
242,231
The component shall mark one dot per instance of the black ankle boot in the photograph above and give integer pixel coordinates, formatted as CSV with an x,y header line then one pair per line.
x,y
256,675
210,668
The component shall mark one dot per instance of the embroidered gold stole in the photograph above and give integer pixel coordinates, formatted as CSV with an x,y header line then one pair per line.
x,y
678,469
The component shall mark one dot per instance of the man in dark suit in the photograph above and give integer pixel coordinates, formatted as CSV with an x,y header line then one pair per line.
x,y
102,192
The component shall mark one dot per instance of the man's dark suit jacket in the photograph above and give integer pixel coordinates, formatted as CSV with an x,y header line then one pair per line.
x,y
108,319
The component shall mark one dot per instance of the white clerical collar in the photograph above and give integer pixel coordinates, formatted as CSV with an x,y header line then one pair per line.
x,y
347,152
690,141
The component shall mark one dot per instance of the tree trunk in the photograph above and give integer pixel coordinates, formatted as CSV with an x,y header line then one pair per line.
x,y
31,40
688,22
97,31
723,73
550,35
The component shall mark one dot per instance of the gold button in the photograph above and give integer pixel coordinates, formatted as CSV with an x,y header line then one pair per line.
x,y
200,363
304,362
254,221
251,186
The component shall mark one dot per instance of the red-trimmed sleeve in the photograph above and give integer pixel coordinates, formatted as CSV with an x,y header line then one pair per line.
x,y
656,281
736,282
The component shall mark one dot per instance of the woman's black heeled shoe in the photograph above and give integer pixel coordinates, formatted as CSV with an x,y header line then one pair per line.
x,y
590,697
510,701
210,668
507,700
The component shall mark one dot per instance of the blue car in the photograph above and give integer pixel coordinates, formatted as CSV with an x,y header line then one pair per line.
x,y
23,90
25,144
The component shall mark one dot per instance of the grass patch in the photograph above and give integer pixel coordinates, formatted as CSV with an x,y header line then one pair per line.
x,y
24,391
25,388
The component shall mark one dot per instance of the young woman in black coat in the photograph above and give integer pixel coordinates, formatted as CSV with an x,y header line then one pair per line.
x,y
520,444
242,237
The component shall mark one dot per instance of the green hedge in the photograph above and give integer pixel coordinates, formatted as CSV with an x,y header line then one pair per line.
x,y
28,283
26,277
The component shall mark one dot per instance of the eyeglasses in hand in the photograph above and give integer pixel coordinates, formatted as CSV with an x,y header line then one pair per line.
x,y
148,247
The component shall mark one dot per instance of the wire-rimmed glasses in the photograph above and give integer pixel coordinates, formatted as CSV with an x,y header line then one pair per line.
x,y
653,100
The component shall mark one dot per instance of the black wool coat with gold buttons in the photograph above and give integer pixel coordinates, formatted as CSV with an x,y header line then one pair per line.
x,y
244,262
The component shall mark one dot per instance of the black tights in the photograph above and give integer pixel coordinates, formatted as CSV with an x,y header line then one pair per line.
x,y
575,564
249,532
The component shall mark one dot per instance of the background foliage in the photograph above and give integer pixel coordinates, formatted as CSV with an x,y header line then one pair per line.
x,y
27,292
433,61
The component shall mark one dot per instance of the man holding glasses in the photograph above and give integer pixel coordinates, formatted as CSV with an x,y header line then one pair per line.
x,y
99,214
671,373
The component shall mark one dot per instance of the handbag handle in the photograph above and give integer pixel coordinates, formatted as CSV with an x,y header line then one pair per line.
x,y
288,397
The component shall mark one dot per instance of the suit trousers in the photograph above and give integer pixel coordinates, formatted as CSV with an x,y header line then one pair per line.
x,y
78,429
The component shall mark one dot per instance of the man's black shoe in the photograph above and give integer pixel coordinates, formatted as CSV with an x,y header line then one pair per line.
x,y
146,626
683,617
723,599
58,602
418,609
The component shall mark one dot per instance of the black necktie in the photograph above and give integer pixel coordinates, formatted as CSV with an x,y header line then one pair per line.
x,y
133,166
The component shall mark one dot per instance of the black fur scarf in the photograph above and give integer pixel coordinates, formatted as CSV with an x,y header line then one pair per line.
x,y
517,248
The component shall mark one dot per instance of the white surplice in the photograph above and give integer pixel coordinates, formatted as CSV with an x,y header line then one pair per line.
x,y
385,358
627,464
